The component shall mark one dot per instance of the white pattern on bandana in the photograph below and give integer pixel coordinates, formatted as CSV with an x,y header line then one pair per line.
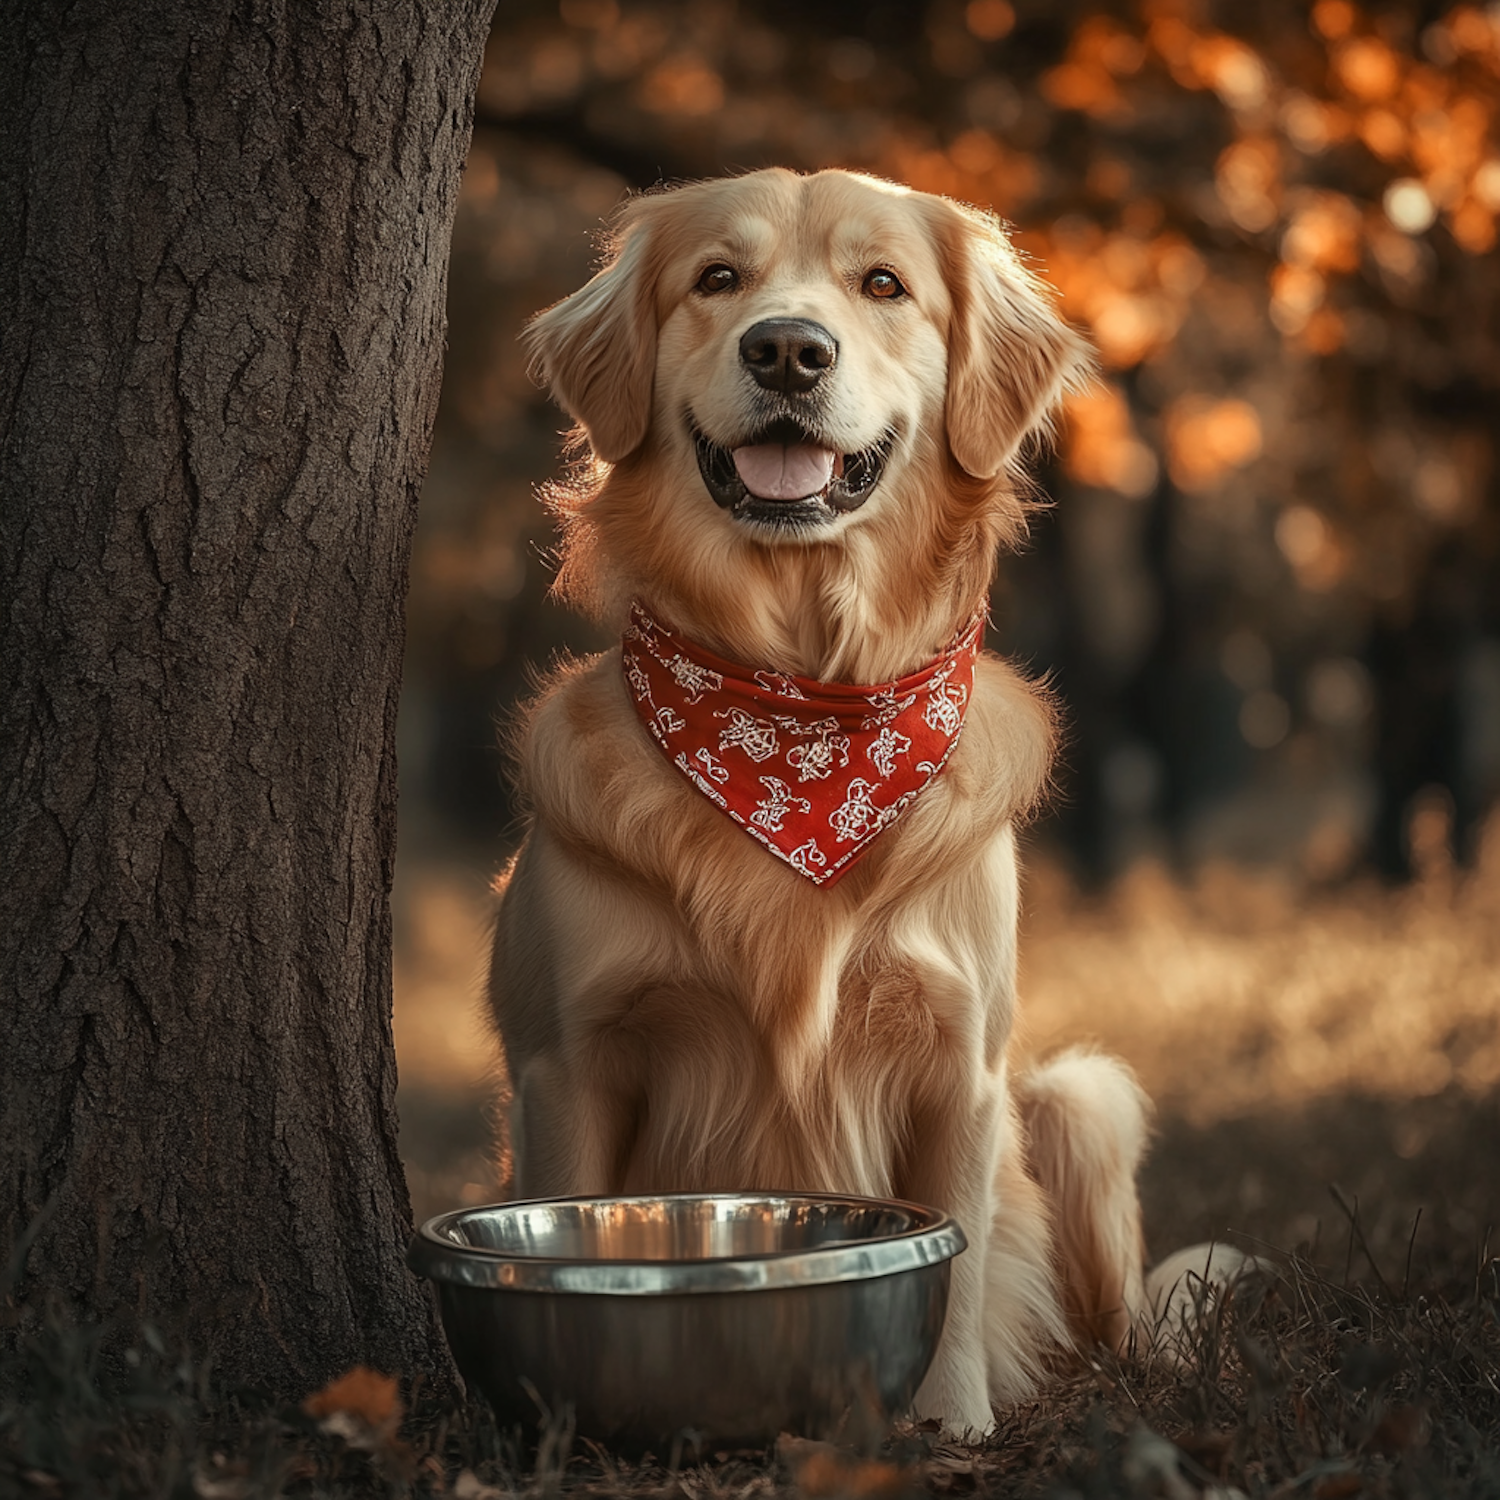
x,y
857,815
887,706
888,745
693,678
813,761
635,675
705,786
779,685
813,771
945,706
808,859
754,736
779,801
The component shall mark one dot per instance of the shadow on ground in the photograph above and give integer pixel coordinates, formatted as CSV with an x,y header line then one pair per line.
x,y
1271,1181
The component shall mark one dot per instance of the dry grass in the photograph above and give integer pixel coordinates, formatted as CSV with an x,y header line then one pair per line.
x,y
1327,1067
1296,1386
1244,992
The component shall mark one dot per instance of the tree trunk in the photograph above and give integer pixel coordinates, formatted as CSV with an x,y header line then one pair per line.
x,y
223,260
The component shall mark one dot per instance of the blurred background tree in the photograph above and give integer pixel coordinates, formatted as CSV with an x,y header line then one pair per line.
x,y
1269,591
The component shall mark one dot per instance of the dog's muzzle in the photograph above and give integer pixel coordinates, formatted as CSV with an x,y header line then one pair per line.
x,y
758,479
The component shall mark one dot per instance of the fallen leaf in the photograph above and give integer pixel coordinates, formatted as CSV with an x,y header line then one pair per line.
x,y
823,1473
820,1474
363,1393
363,1407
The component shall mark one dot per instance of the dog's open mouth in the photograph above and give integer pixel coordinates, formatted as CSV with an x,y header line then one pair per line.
x,y
783,476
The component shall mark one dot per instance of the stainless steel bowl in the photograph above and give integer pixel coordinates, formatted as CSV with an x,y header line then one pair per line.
x,y
689,1322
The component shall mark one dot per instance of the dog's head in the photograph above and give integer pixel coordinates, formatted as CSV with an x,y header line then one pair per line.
x,y
779,361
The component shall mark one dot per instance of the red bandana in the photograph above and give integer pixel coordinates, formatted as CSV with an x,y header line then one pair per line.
x,y
814,770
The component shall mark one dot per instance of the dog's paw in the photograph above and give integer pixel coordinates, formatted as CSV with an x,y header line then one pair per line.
x,y
962,1406
1183,1291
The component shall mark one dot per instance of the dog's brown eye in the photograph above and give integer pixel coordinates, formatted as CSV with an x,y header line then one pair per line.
x,y
718,279
883,284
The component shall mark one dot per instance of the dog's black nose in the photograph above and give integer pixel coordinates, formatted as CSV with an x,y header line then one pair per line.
x,y
788,354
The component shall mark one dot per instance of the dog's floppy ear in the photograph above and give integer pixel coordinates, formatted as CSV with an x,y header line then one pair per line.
x,y
1010,357
596,350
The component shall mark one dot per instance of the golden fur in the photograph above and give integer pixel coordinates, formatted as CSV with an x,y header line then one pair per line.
x,y
681,1011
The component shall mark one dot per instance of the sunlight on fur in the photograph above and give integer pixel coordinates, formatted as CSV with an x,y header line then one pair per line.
x,y
808,400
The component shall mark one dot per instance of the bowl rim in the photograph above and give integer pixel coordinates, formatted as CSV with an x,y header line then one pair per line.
x,y
933,1238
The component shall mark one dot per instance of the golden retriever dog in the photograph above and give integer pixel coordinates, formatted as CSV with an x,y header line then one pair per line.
x,y
806,399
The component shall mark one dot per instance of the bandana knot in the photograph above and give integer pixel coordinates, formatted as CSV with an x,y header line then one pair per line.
x,y
812,770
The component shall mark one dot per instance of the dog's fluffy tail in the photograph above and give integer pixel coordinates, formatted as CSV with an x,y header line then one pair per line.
x,y
1086,1121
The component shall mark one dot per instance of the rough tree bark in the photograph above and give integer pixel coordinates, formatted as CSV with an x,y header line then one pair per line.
x,y
223,253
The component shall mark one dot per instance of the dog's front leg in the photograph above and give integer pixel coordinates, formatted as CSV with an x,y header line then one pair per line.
x,y
570,1134
574,1104
950,1165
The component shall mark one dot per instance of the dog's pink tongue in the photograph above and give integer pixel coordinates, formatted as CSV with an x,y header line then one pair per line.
x,y
777,471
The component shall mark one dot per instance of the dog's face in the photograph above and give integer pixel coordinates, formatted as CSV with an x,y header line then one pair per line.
x,y
809,394
806,354
796,348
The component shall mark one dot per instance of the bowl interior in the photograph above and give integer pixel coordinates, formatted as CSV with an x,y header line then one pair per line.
x,y
679,1227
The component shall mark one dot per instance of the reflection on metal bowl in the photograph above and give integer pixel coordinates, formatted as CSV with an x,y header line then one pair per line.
x,y
689,1323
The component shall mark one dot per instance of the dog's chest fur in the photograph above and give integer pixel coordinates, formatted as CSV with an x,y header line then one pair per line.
x,y
764,1031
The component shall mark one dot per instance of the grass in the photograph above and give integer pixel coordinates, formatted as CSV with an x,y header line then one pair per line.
x,y
1297,1385
1328,1070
